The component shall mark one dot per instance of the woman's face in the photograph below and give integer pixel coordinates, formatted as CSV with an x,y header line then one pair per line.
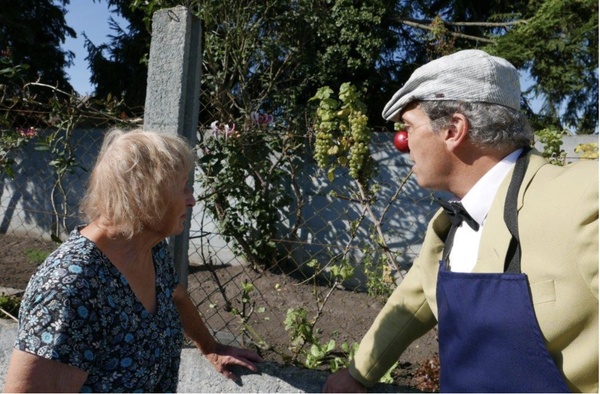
x,y
176,213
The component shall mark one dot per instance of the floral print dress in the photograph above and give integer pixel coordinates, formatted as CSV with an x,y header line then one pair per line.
x,y
79,309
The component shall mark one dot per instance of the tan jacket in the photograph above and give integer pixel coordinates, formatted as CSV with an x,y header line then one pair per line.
x,y
558,226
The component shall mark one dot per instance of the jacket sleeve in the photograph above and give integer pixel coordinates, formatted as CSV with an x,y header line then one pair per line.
x,y
405,317
586,215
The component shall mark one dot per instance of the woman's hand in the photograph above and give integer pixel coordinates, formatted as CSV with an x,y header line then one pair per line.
x,y
220,356
224,356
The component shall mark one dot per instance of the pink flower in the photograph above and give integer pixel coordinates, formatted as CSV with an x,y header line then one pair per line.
x,y
260,120
218,129
27,133
214,126
229,130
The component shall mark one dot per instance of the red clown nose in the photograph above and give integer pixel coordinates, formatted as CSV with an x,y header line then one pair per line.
x,y
401,141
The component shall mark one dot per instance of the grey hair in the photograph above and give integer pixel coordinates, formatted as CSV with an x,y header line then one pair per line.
x,y
490,125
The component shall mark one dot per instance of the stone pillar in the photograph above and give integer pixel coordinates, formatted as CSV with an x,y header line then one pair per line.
x,y
173,93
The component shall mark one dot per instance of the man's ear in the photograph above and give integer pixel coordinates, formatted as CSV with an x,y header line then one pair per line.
x,y
457,132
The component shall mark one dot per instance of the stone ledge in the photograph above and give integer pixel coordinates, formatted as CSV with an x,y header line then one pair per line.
x,y
9,291
196,374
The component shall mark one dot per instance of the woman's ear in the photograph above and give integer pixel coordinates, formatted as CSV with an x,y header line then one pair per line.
x,y
457,132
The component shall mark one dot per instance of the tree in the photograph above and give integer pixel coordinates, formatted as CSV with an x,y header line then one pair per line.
x,y
557,43
269,57
264,59
305,32
119,68
554,41
377,45
31,32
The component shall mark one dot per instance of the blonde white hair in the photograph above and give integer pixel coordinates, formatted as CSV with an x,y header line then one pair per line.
x,y
134,179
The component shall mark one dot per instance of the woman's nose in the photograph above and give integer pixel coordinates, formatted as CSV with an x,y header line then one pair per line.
x,y
190,200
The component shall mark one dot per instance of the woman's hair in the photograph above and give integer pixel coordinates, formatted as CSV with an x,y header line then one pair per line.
x,y
135,177
490,125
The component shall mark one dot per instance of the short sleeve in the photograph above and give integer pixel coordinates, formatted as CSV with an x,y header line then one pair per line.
x,y
58,319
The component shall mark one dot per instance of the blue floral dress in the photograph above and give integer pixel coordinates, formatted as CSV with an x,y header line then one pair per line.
x,y
79,309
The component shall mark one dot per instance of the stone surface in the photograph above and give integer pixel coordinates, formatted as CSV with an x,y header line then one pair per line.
x,y
196,374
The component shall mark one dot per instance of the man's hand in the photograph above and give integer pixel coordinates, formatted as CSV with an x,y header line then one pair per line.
x,y
223,356
343,382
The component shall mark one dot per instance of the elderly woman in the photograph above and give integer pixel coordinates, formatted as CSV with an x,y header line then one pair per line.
x,y
105,312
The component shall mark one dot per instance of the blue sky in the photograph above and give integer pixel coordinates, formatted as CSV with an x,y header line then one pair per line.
x,y
91,18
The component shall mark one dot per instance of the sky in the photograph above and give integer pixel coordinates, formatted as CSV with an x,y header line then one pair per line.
x,y
91,18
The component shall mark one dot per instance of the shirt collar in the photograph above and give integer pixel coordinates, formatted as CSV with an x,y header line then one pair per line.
x,y
479,199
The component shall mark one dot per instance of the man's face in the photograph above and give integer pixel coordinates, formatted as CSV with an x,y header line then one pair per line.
x,y
427,149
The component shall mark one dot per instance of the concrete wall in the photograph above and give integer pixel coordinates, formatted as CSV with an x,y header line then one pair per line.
x,y
196,374
26,205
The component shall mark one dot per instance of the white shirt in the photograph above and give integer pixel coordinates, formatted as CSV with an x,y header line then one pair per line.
x,y
477,202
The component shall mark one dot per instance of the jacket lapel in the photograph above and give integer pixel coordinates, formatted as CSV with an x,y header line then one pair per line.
x,y
496,237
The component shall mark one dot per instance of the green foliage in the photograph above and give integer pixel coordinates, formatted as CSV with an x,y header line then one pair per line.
x,y
387,377
318,353
244,171
342,134
552,141
294,47
554,41
13,136
247,307
302,336
587,151
380,281
11,141
348,352
119,68
36,256
32,31
10,70
300,329
9,304
247,288
342,141
342,271
286,50
558,44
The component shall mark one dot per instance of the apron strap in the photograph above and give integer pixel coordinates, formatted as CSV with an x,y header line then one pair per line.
x,y
512,263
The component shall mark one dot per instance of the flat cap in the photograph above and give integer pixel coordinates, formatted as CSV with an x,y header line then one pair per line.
x,y
471,75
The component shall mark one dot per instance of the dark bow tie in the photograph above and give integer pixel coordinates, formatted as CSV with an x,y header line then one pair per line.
x,y
458,214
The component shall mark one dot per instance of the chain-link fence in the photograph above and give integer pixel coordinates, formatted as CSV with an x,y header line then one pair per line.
x,y
283,309
301,292
48,172
290,309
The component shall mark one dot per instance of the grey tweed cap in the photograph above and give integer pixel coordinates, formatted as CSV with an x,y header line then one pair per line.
x,y
470,75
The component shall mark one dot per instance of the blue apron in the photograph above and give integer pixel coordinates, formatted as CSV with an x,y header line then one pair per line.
x,y
489,337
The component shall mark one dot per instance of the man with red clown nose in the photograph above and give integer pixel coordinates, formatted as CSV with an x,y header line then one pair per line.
x,y
508,269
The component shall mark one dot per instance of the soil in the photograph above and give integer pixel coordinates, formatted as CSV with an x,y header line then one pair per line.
x,y
259,322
